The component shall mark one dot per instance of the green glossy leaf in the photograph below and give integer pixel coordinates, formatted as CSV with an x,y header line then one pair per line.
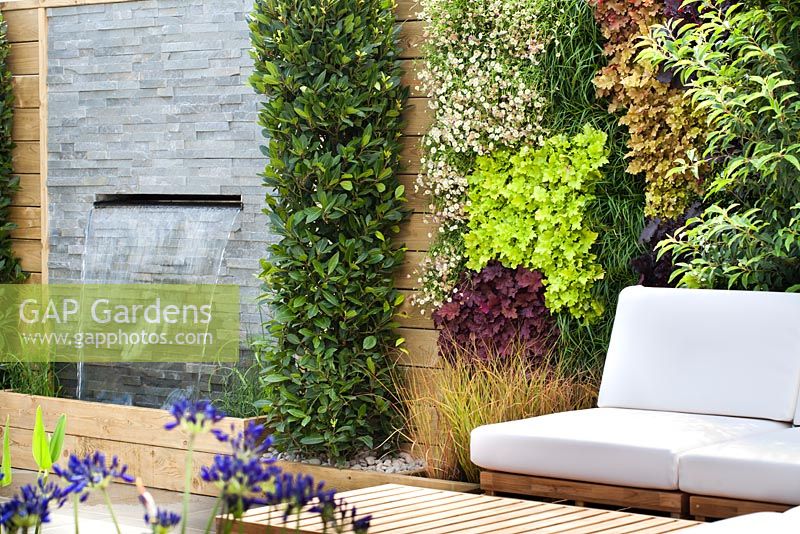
x,y
40,443
5,468
369,342
57,439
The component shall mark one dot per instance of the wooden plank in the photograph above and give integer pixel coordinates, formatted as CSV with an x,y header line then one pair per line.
x,y
25,157
412,316
721,508
410,78
28,220
422,347
43,136
24,58
26,91
418,117
418,202
416,233
29,251
158,467
23,25
408,9
410,154
412,36
25,125
108,421
29,191
406,276
646,499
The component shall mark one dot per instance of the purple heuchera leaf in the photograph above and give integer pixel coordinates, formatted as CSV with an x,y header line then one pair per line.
x,y
495,311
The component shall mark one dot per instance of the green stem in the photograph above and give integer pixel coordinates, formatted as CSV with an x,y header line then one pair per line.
x,y
213,515
111,510
75,500
187,483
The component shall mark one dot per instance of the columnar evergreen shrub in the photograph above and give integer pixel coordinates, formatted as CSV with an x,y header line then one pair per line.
x,y
10,269
331,76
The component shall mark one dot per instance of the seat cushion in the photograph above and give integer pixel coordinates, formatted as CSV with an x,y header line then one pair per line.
x,y
763,467
762,522
734,353
605,445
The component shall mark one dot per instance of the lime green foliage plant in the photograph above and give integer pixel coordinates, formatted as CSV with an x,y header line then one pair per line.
x,y
330,73
529,209
10,269
6,476
741,65
47,447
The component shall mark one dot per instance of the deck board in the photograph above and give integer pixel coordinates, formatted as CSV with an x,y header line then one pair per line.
x,y
397,509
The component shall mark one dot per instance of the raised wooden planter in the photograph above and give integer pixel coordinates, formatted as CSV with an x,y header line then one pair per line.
x,y
137,436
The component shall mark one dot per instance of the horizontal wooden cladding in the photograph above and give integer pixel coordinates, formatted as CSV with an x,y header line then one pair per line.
x,y
26,91
28,220
26,157
421,347
23,25
25,125
97,420
30,191
412,316
410,78
410,154
408,9
417,202
29,251
406,276
412,36
416,233
24,58
418,117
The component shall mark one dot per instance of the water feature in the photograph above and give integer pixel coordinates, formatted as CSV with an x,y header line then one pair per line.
x,y
146,240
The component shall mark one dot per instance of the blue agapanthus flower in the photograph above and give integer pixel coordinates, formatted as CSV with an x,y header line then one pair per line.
x,y
163,522
91,472
31,506
194,417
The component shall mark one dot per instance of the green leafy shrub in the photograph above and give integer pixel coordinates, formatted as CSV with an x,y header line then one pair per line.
x,y
10,269
331,75
529,209
740,66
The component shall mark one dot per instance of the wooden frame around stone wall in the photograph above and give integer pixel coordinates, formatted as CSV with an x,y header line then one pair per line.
x,y
27,31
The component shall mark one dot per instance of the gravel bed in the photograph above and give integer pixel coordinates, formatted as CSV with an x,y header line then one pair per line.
x,y
397,463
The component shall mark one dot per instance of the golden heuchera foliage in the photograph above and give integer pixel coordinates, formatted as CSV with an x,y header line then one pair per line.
x,y
663,125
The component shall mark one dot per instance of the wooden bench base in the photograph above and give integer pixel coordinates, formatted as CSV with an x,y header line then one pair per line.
x,y
722,508
672,502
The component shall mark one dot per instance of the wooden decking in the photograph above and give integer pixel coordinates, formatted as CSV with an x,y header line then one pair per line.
x,y
399,509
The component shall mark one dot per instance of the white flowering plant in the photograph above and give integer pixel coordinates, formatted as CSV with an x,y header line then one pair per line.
x,y
483,72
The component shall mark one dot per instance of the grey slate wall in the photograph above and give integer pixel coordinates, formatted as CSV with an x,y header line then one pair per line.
x,y
151,97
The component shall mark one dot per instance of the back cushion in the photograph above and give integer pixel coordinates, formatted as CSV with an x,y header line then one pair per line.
x,y
700,351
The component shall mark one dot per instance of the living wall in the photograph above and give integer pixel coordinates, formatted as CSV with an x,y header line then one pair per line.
x,y
331,77
599,144
10,269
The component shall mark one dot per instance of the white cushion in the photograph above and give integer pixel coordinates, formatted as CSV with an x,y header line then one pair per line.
x,y
765,467
760,523
605,445
734,353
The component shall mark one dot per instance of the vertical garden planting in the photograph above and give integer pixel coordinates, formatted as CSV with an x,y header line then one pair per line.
x,y
10,270
330,75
